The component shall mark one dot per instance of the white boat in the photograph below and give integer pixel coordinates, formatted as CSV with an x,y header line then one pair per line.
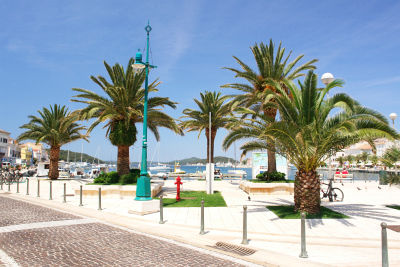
x,y
162,175
94,172
177,169
63,173
78,172
43,169
160,167
242,172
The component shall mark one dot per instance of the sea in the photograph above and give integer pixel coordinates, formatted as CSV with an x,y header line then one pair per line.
x,y
363,175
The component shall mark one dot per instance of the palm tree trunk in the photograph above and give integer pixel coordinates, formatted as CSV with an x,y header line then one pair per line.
x,y
271,159
307,193
270,112
54,157
123,160
213,134
297,191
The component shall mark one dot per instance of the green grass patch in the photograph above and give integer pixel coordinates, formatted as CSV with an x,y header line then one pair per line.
x,y
270,182
110,184
397,207
193,199
217,179
287,212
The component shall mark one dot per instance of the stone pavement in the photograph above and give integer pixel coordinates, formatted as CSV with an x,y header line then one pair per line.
x,y
330,242
45,237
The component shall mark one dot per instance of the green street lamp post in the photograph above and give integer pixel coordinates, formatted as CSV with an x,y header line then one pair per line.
x,y
143,189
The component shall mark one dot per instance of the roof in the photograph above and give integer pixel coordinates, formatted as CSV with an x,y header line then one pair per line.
x,y
364,146
2,131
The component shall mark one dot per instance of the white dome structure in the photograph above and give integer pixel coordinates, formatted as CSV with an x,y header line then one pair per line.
x,y
327,78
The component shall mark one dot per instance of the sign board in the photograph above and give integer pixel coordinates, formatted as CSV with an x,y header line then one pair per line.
x,y
260,164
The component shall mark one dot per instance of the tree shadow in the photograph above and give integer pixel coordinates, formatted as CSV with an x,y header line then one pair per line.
x,y
365,211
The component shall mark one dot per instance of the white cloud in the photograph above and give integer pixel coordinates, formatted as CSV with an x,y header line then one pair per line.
x,y
176,36
384,81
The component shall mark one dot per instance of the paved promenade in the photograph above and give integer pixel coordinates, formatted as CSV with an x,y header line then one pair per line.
x,y
32,235
276,242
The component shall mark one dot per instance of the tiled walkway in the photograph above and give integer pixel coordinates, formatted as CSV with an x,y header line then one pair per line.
x,y
36,236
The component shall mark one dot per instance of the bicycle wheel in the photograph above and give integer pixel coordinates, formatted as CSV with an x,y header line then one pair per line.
x,y
324,190
337,194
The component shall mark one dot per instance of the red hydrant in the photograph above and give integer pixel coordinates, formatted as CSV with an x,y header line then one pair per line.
x,y
178,188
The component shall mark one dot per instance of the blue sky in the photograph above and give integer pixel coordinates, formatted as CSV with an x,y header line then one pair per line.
x,y
49,47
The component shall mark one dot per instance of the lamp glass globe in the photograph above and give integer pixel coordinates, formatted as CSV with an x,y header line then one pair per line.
x,y
327,78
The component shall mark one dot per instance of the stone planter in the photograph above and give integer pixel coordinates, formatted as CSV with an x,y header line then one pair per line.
x,y
116,191
267,188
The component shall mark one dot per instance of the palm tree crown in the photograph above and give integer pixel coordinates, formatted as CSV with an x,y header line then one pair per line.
x,y
122,108
198,120
272,65
55,127
309,132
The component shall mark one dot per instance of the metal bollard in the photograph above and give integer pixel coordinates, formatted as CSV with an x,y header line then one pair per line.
x,y
27,186
9,186
385,256
99,198
51,191
18,186
80,195
245,241
202,218
38,188
303,253
161,211
65,193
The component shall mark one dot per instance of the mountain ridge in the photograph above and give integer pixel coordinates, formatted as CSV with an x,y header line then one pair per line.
x,y
196,160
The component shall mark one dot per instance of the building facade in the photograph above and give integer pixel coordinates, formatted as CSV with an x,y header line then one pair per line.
x,y
9,149
30,151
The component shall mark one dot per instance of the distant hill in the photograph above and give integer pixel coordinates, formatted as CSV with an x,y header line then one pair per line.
x,y
194,160
77,156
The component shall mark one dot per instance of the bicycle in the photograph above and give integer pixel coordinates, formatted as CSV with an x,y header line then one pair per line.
x,y
332,193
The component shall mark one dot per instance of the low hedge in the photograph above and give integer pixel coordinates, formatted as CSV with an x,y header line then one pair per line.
x,y
114,178
271,177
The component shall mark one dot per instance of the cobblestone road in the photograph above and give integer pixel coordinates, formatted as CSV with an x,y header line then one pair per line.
x,y
14,212
86,244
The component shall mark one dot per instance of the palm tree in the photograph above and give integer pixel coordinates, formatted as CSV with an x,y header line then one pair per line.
x,y
122,108
391,156
371,142
198,120
374,159
364,157
340,160
309,132
271,66
350,159
55,127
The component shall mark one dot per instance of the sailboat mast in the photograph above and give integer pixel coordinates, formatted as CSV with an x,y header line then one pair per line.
x,y
234,147
81,152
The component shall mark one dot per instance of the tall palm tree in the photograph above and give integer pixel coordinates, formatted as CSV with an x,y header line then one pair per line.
x,y
340,160
122,108
55,127
309,132
350,159
271,66
391,156
198,120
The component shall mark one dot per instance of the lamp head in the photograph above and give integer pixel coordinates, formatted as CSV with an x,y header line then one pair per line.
x,y
393,116
138,61
327,78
